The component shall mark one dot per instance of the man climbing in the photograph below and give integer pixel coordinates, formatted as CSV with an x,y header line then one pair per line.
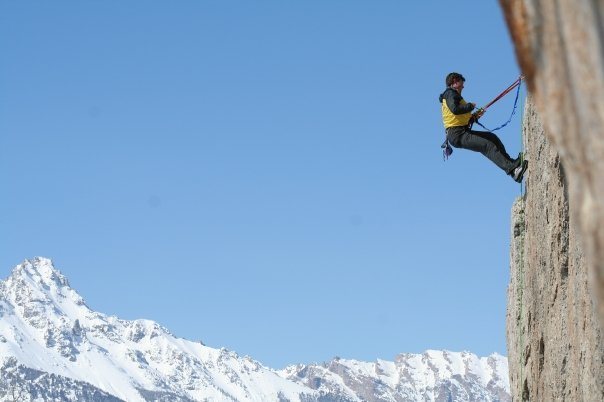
x,y
457,118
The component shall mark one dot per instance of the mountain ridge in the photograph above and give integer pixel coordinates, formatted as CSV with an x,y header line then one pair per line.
x,y
46,326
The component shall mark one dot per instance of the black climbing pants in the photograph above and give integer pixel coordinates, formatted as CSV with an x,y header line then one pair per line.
x,y
484,142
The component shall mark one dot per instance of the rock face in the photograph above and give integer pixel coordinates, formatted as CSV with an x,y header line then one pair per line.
x,y
555,344
559,48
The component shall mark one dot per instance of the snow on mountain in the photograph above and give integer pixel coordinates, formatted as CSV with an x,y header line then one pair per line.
x,y
431,376
47,326
48,335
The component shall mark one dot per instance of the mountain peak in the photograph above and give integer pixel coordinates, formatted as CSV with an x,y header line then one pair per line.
x,y
39,290
40,270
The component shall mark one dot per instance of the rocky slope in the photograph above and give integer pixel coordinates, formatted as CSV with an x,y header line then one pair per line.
x,y
555,344
54,347
20,383
431,376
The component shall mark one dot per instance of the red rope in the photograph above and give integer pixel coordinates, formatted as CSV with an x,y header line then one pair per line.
x,y
504,93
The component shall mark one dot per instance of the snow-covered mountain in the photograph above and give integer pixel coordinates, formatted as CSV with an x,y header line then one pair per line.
x,y
431,376
54,347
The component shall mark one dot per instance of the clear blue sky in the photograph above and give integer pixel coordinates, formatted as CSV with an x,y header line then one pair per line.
x,y
263,176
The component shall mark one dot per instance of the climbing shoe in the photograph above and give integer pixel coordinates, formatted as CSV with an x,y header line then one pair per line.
x,y
518,173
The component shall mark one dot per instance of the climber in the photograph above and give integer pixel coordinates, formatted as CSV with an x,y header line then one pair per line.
x,y
457,119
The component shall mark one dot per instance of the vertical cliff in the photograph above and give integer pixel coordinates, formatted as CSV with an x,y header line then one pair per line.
x,y
555,344
560,48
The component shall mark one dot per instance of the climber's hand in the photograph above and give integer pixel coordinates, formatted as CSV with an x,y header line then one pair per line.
x,y
478,114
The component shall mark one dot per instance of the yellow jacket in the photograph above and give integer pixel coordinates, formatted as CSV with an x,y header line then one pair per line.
x,y
455,110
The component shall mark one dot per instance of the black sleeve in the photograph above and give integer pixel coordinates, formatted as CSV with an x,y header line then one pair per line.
x,y
453,99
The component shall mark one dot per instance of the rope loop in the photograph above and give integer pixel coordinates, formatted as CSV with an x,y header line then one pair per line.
x,y
513,110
